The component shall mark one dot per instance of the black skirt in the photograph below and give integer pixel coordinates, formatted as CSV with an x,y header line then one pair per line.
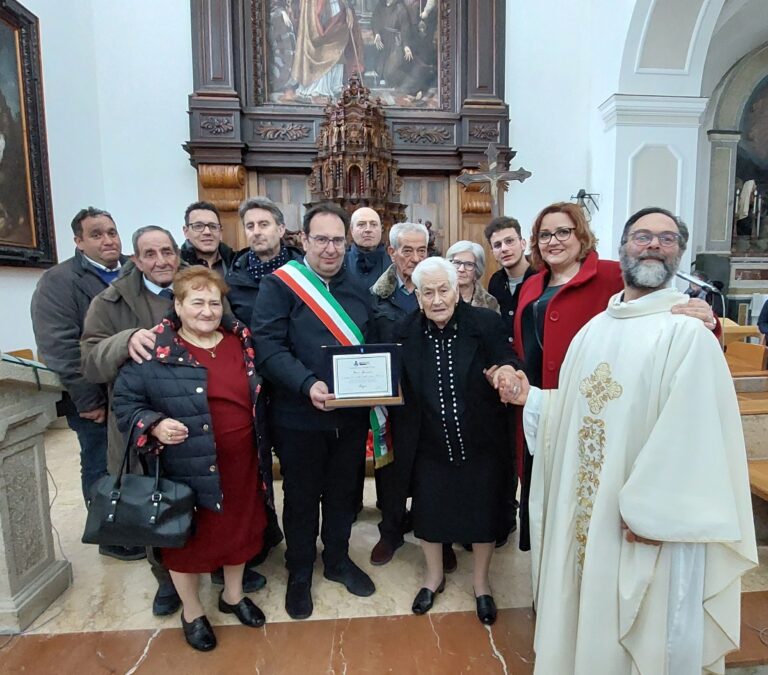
x,y
457,502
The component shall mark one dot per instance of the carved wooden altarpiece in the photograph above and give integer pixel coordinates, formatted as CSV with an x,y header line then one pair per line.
x,y
354,165
239,118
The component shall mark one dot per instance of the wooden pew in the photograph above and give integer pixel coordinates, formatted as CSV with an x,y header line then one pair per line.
x,y
744,358
758,477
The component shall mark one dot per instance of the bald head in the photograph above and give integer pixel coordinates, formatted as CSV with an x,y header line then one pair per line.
x,y
366,228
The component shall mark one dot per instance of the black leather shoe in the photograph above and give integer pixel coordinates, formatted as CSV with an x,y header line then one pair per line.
x,y
166,600
298,597
422,603
246,612
252,580
199,634
486,609
273,535
449,559
125,553
383,552
354,579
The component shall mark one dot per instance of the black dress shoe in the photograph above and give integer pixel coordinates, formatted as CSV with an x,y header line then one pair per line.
x,y
383,552
422,603
198,633
166,600
246,612
486,609
273,535
298,597
252,580
354,579
449,559
125,553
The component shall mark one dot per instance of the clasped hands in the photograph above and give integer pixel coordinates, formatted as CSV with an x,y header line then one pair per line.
x,y
512,385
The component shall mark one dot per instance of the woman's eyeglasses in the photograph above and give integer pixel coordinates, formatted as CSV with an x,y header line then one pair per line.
x,y
458,264
561,234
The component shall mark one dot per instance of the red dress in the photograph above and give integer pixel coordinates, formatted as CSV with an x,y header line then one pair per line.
x,y
235,534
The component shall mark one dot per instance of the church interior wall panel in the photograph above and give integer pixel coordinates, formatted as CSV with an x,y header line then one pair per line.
x,y
654,177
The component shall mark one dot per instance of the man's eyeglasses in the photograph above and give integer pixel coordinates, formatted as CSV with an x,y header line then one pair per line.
x,y
645,237
465,264
561,234
322,241
509,241
199,227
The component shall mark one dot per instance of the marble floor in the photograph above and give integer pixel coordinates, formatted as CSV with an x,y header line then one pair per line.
x,y
103,623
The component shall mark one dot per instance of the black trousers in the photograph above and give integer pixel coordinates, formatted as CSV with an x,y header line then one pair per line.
x,y
319,467
394,488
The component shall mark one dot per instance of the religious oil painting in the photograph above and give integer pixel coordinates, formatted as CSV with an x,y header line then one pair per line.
x,y
26,225
314,46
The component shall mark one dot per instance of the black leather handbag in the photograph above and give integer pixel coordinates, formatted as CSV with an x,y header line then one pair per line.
x,y
133,510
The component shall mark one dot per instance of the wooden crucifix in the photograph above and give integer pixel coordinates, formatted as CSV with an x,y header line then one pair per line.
x,y
493,177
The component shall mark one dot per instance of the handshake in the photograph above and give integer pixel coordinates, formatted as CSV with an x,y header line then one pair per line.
x,y
512,385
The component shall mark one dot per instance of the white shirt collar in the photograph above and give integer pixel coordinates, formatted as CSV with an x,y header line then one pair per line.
x,y
153,287
100,266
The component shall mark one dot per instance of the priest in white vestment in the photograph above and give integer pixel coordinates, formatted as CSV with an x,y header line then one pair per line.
x,y
641,520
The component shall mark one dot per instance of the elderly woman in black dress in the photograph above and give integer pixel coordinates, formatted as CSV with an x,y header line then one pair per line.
x,y
195,405
453,427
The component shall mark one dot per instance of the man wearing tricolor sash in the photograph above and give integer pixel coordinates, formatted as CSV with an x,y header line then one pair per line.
x,y
302,307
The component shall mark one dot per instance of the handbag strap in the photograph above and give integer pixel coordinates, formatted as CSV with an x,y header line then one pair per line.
x,y
157,496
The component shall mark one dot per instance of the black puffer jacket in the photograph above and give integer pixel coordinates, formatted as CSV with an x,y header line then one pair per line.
x,y
173,384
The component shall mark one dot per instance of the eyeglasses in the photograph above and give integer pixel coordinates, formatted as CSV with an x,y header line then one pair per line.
x,y
561,234
199,227
322,241
645,237
509,241
465,264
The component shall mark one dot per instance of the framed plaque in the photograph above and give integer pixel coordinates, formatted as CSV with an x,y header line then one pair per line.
x,y
363,375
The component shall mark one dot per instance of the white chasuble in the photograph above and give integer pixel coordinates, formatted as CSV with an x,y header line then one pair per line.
x,y
645,427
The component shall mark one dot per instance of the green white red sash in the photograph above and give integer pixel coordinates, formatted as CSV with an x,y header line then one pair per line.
x,y
315,294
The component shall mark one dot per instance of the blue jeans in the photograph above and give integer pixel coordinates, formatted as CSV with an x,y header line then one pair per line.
x,y
93,450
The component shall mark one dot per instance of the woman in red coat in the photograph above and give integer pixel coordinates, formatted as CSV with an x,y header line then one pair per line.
x,y
571,287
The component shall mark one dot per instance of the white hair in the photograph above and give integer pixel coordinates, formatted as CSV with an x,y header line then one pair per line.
x,y
432,265
476,250
399,229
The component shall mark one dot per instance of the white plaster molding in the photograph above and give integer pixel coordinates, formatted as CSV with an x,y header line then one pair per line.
x,y
656,111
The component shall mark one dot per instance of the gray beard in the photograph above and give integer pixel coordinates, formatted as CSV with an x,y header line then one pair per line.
x,y
638,274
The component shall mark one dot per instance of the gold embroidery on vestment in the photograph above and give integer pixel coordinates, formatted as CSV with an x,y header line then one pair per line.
x,y
591,444
599,388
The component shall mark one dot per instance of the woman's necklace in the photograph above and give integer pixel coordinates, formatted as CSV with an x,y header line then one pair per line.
x,y
211,351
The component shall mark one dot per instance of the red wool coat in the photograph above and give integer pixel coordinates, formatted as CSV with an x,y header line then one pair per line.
x,y
583,297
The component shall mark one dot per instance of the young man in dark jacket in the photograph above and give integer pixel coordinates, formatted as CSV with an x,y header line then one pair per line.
x,y
203,245
505,238
59,305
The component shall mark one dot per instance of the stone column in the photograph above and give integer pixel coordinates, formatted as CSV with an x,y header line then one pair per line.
x,y
722,177
30,576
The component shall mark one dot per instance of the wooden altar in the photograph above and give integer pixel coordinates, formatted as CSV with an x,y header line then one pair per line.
x,y
255,123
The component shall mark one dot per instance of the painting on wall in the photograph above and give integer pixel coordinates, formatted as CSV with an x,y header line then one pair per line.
x,y
313,46
26,222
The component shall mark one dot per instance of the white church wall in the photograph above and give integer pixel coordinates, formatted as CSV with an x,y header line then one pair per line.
x,y
143,90
104,150
546,85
